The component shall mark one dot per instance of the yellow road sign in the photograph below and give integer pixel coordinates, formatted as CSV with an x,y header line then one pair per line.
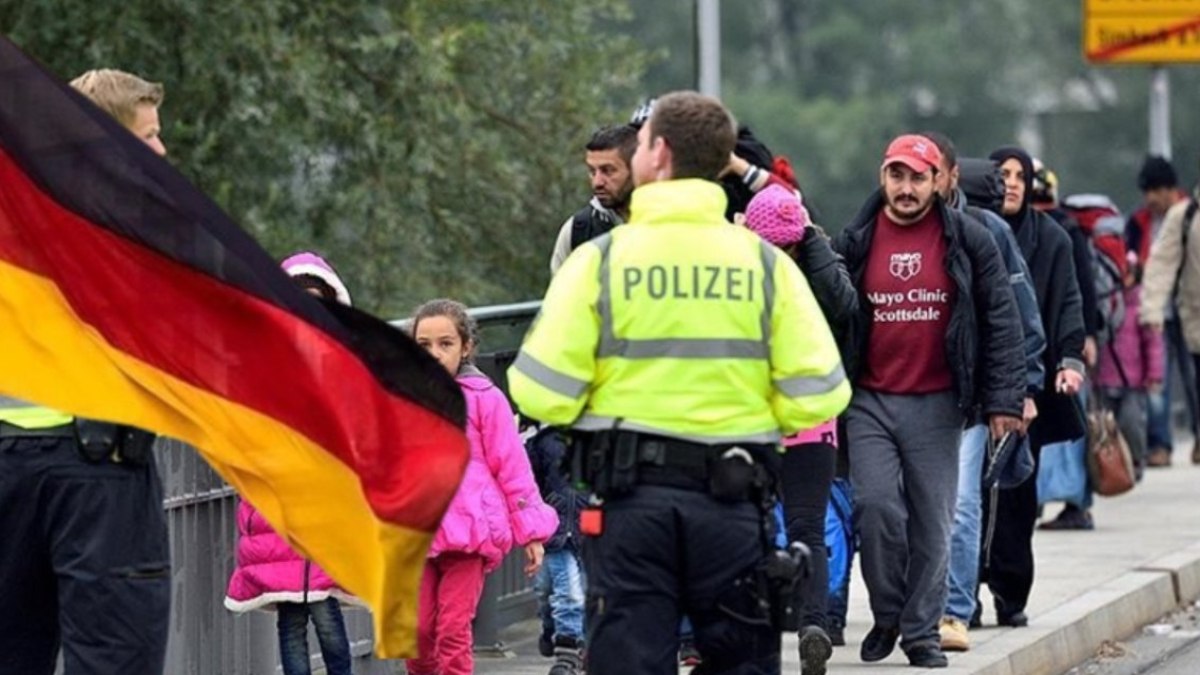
x,y
1141,31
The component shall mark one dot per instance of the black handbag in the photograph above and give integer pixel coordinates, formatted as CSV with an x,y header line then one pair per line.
x,y
1061,417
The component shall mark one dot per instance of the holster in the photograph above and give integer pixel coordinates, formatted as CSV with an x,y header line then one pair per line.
x,y
735,476
99,441
609,462
765,593
779,575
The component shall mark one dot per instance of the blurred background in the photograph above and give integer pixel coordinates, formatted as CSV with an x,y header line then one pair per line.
x,y
433,147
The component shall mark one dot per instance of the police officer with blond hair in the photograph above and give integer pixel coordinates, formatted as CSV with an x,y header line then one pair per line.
x,y
85,559
683,347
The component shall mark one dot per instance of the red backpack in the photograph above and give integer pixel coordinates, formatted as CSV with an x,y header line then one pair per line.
x,y
1102,222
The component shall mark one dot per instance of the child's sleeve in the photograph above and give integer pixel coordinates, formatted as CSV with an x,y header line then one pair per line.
x,y
531,519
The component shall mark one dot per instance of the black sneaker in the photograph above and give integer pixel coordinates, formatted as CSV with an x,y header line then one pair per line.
x,y
1013,620
977,618
837,636
568,656
1070,518
927,656
879,643
815,650
546,644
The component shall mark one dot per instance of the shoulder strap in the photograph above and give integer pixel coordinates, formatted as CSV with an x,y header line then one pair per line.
x,y
1117,362
581,227
1185,230
1187,222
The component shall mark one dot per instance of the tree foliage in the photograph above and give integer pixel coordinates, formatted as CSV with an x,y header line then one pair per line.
x,y
829,83
432,147
428,147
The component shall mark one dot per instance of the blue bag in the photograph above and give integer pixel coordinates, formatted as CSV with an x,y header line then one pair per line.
x,y
1062,476
839,534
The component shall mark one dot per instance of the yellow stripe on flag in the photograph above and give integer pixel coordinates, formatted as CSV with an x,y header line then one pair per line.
x,y
49,356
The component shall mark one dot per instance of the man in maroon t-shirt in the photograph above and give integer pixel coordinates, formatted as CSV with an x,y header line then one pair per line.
x,y
939,339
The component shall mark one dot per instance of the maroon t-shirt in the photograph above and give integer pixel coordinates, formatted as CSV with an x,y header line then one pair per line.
x,y
910,295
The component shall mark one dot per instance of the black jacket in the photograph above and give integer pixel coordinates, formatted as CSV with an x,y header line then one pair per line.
x,y
1049,253
984,344
1081,253
830,282
547,451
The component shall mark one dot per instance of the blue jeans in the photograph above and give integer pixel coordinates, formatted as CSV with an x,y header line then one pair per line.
x,y
963,576
1174,351
561,584
331,634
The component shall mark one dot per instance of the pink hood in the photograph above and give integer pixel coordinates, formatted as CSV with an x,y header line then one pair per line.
x,y
497,505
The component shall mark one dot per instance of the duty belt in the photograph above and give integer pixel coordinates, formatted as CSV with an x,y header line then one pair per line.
x,y
669,461
13,431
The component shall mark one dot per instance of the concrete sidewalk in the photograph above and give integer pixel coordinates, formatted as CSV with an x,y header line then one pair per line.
x,y
1142,559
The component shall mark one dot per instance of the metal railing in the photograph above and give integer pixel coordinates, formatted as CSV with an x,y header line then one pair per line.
x,y
205,638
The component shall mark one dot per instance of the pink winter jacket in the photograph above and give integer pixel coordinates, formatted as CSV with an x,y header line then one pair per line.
x,y
497,504
1139,349
268,570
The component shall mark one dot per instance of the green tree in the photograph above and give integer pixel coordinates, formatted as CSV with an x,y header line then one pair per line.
x,y
828,83
429,147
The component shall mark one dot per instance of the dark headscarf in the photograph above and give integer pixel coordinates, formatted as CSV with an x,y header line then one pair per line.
x,y
1003,154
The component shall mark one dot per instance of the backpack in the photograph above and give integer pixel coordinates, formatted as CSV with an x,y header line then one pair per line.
x,y
1104,226
587,224
840,542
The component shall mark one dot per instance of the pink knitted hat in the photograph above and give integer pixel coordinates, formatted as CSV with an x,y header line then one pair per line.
x,y
777,215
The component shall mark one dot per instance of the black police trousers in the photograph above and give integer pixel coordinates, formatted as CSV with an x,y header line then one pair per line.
x,y
665,552
84,562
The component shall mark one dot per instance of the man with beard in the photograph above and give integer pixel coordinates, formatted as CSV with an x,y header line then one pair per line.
x,y
608,155
963,575
1047,250
938,337
693,347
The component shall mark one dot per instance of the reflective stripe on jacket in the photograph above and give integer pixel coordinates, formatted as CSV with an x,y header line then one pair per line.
x,y
19,413
683,325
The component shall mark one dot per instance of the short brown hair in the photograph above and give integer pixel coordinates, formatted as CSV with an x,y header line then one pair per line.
x,y
699,130
118,93
464,323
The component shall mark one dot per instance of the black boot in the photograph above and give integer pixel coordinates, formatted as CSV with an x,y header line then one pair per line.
x,y
815,650
568,656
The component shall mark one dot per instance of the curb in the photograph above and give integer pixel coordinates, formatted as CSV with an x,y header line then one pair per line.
x,y
1184,568
1072,632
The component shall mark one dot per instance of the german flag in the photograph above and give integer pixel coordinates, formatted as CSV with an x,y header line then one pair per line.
x,y
127,295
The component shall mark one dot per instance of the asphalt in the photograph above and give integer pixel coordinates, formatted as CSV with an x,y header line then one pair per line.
x,y
1141,563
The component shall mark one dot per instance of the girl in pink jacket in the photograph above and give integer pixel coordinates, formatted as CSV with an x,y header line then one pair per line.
x,y
496,507
269,574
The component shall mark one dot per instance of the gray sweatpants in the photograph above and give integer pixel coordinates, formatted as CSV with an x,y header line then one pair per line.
x,y
904,469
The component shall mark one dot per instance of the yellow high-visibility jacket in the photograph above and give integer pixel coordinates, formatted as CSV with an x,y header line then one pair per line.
x,y
683,325
19,413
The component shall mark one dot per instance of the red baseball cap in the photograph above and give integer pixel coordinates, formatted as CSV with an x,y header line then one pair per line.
x,y
914,151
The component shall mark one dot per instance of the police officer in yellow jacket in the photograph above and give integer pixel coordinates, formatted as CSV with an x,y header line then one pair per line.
x,y
686,347
84,552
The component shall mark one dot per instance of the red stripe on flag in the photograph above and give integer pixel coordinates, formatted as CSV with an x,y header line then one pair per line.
x,y
226,341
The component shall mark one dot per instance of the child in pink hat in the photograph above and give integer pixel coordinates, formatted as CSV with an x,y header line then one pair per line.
x,y
778,215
